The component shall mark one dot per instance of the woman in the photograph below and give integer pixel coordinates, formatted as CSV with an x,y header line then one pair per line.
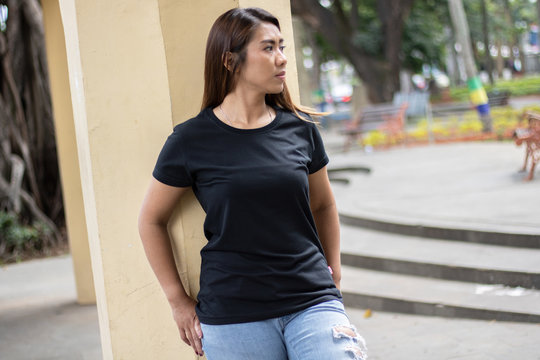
x,y
270,272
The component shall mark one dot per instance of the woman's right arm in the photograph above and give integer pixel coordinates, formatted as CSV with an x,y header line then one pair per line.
x,y
157,208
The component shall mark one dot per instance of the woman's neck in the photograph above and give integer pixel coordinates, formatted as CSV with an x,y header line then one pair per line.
x,y
247,111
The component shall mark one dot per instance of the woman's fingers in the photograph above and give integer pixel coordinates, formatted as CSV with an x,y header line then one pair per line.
x,y
190,335
184,337
189,325
196,343
198,328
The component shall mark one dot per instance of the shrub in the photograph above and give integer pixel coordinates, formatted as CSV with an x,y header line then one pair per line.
x,y
18,240
517,87
375,138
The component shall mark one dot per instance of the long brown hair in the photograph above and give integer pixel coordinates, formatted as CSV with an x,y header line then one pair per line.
x,y
231,33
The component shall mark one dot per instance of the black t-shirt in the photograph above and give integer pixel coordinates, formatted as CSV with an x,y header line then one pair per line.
x,y
263,258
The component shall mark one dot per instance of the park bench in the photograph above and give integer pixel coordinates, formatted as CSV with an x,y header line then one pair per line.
x,y
388,118
418,102
498,98
530,136
445,110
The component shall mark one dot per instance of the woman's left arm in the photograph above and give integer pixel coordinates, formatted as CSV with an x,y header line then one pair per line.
x,y
324,209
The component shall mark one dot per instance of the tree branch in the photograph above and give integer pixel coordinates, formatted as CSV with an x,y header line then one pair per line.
x,y
370,69
354,15
343,20
34,209
392,14
20,130
325,22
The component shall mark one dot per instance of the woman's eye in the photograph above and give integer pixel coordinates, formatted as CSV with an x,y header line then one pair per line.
x,y
271,48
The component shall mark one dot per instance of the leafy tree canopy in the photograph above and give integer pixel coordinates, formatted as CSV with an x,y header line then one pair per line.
x,y
423,37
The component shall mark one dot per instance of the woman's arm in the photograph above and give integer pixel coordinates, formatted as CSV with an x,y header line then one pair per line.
x,y
323,207
157,208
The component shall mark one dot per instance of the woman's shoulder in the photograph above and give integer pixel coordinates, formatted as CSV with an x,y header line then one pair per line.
x,y
190,125
302,118
307,122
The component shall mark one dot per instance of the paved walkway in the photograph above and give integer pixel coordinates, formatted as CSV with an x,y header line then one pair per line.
x,y
473,184
464,185
39,320
39,316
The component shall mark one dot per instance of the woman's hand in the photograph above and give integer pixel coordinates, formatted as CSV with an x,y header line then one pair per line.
x,y
336,275
188,324
338,284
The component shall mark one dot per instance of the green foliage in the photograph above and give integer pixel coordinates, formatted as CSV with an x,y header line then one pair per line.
x,y
327,52
517,87
17,239
370,39
423,37
456,128
507,21
505,120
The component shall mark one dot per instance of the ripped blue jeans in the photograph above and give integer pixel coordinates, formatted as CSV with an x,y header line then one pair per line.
x,y
320,332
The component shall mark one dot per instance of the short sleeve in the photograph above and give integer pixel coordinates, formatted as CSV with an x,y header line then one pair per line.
x,y
171,168
319,158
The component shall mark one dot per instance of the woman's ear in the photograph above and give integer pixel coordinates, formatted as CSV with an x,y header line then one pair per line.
x,y
228,60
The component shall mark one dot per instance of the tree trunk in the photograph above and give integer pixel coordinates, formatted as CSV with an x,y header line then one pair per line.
x,y
487,56
538,12
392,14
500,59
461,30
516,43
380,76
478,96
26,119
452,58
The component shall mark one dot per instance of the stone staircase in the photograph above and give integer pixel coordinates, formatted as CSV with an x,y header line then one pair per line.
x,y
448,230
460,275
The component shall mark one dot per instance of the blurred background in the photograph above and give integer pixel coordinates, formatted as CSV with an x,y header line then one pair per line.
x,y
358,52
351,54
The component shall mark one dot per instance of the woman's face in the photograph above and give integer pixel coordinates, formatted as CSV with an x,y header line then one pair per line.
x,y
264,68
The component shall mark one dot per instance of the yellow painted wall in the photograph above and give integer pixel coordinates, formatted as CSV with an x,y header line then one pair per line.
x,y
67,152
135,70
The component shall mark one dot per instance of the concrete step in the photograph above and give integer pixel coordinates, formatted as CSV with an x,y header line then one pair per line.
x,y
467,192
338,174
443,259
445,230
422,296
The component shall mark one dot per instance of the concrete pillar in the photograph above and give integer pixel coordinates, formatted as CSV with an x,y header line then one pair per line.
x,y
121,107
136,70
67,152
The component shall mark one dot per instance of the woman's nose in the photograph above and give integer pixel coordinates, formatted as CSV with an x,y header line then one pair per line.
x,y
281,58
